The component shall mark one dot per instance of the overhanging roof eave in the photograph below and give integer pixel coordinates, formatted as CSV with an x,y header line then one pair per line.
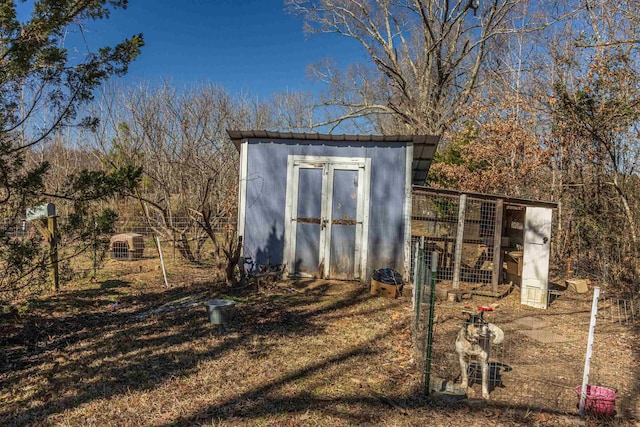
x,y
484,196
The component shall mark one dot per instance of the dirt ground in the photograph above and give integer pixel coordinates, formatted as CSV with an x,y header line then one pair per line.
x,y
542,359
125,351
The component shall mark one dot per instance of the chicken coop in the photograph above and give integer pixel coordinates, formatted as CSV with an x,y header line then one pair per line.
x,y
485,243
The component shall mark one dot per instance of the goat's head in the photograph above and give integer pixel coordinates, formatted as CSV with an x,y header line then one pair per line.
x,y
476,329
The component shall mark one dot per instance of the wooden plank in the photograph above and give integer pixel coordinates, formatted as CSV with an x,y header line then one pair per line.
x,y
325,225
447,240
497,247
242,191
500,292
289,224
415,275
459,240
366,192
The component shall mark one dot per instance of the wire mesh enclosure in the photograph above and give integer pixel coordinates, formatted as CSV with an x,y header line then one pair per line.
x,y
463,231
539,360
134,247
434,223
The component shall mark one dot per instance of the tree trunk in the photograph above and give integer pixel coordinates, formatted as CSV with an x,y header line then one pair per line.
x,y
632,226
233,258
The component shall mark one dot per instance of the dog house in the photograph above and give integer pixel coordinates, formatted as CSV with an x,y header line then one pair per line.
x,y
329,206
126,246
487,240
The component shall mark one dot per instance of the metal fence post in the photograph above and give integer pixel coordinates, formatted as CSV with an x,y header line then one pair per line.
x,y
415,274
419,286
95,247
164,270
52,225
587,359
459,240
432,299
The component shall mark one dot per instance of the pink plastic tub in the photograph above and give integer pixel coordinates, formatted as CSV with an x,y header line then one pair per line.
x,y
600,400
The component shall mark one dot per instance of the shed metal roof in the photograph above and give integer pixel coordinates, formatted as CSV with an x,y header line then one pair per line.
x,y
518,201
424,146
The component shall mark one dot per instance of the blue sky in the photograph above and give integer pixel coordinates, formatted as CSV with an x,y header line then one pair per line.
x,y
252,45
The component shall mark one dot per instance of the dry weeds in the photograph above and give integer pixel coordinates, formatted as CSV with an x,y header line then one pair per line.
x,y
301,353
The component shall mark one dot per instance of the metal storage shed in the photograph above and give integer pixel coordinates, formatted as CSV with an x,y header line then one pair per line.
x,y
331,206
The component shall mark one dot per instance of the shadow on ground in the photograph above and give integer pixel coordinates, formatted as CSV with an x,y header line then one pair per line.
x,y
110,340
96,343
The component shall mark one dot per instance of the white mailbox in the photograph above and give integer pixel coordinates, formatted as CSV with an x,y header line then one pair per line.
x,y
41,211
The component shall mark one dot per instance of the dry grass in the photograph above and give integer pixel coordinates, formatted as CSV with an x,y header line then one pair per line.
x,y
540,365
301,353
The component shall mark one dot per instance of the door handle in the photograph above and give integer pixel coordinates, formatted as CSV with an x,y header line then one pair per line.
x,y
323,223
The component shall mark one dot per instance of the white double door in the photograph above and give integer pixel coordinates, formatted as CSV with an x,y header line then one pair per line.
x,y
326,216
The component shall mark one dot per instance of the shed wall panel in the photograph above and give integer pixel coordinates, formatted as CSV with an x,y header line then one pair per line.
x,y
266,194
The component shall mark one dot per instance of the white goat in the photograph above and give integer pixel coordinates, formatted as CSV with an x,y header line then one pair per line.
x,y
475,339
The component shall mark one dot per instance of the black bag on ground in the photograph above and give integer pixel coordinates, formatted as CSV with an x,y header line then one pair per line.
x,y
388,276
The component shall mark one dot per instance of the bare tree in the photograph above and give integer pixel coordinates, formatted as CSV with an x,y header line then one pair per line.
x,y
594,104
190,167
188,191
427,57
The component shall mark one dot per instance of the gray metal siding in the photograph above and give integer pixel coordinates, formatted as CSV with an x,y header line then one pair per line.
x,y
266,193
